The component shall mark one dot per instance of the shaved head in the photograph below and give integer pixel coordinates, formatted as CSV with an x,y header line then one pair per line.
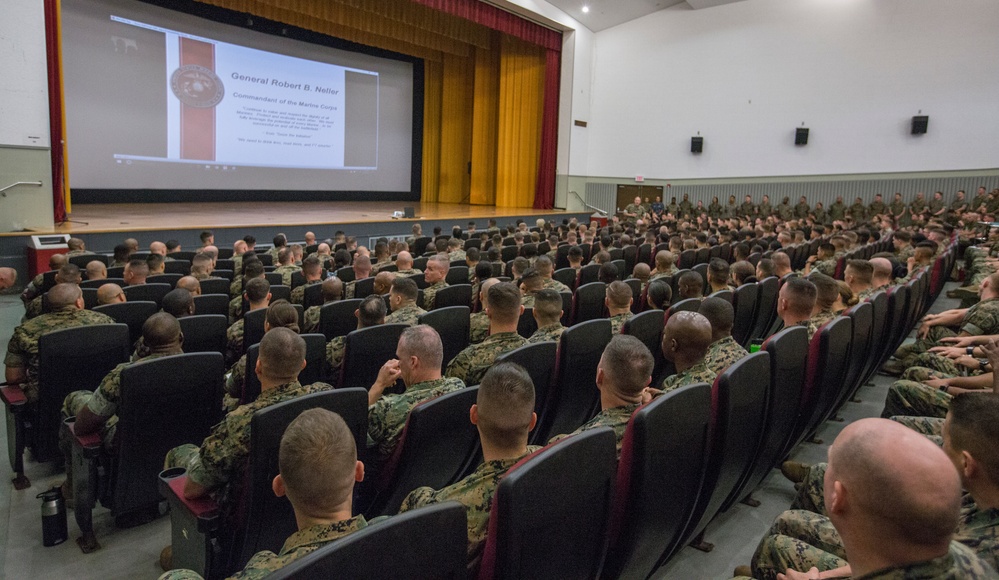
x,y
64,295
687,334
8,277
191,284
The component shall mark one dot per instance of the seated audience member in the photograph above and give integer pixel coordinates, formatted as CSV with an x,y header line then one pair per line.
x,y
826,294
824,261
110,294
331,291
479,323
659,294
120,256
254,270
642,273
362,270
608,273
686,339
76,248
437,269
882,275
504,415
96,270
178,303
545,267
618,302
742,273
887,505
575,257
503,309
764,269
844,299
548,315
795,302
135,272
312,269
280,314
8,277
665,265
724,350
383,282
404,263
65,311
258,295
160,248
690,285
402,299
318,467
420,356
156,264
859,275
623,373
530,284
191,284
67,274
782,264
286,265
371,312
719,274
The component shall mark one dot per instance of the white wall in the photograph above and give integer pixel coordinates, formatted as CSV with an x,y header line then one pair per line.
x,y
746,74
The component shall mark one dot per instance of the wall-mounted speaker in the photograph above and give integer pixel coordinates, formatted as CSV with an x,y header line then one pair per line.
x,y
696,144
919,123
801,136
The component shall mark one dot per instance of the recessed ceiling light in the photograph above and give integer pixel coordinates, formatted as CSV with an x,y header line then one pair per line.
x,y
586,9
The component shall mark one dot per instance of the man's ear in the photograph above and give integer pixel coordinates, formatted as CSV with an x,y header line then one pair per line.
x,y
277,485
473,414
359,472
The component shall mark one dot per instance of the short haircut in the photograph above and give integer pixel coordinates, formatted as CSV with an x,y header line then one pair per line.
x,y
628,364
974,427
178,302
483,270
826,290
659,294
282,352
316,459
718,270
160,329
719,313
372,310
520,265
544,265
505,405
281,314
441,260
257,289
279,240
608,273
619,294
63,294
205,235
575,253
765,267
690,284
903,236
171,245
405,287
285,255
742,270
250,240
252,269
504,302
154,261
800,296
548,305
71,273
423,342
472,254
532,280
311,265
138,267
862,269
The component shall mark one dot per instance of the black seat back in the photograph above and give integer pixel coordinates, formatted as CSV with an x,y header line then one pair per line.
x,y
215,286
527,325
204,332
745,302
268,520
687,259
588,303
428,543
315,359
69,360
175,266
766,307
346,274
879,321
98,283
549,513
862,315
566,276
165,402
453,324
312,295
212,304
253,327
89,298
573,397
337,318
648,328
274,278
664,448
457,295
538,359
829,374
280,292
588,274
131,314
170,279
364,287
365,351
457,275
687,305
434,448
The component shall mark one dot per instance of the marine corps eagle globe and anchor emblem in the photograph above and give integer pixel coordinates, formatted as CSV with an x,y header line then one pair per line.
x,y
197,86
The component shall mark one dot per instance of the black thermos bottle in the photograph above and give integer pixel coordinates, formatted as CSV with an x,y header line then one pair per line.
x,y
54,530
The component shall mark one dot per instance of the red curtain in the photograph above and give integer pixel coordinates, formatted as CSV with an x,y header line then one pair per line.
x,y
55,109
499,19
544,191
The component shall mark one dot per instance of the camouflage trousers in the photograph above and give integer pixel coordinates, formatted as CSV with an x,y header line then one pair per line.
x,y
799,540
926,366
809,496
910,398
932,427
180,456
71,406
907,352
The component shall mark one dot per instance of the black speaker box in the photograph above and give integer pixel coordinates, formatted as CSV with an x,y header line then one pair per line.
x,y
696,144
801,136
408,212
919,123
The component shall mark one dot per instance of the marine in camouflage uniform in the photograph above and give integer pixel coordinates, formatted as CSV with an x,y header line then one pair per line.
x,y
236,287
550,333
915,399
234,342
932,427
479,328
22,349
286,271
335,350
617,321
409,313
553,284
298,293
409,272
616,418
235,381
223,455
837,211
387,417
430,294
471,364
699,373
747,209
897,210
235,309
656,274
935,206
475,492
858,212
827,267
916,209
723,353
310,320
801,210
457,255
302,542
876,208
821,318
981,319
785,211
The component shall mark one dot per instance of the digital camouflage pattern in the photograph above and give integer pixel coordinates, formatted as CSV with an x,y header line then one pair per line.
x,y
617,321
475,492
430,294
335,352
409,314
387,417
236,379
22,349
286,271
471,364
234,342
223,455
616,418
235,309
409,272
915,399
552,284
699,373
310,321
479,327
298,293
827,267
656,274
236,287
821,318
723,353
550,333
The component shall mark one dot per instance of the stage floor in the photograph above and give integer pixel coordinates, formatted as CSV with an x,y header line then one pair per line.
x,y
129,217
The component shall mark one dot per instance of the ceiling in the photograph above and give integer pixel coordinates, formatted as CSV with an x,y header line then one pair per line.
x,y
604,14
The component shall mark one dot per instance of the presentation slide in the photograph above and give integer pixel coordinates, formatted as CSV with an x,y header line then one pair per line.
x,y
158,99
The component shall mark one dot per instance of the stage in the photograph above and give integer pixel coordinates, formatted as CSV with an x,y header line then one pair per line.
x,y
102,226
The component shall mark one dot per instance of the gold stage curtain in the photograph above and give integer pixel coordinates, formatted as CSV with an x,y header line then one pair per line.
x,y
521,103
433,73
485,124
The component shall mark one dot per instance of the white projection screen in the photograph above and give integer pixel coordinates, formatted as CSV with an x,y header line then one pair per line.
x,y
161,102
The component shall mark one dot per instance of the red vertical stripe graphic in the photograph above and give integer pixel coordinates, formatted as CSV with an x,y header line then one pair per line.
x,y
197,125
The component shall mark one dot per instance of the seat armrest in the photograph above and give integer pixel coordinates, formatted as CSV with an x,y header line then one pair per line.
x,y
204,509
89,444
12,395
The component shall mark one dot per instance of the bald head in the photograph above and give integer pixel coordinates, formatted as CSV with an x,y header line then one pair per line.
x,y
404,260
362,266
56,261
8,277
65,295
332,289
687,335
161,331
158,248
110,294
484,290
191,284
883,476
882,271
96,270
782,264
383,282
